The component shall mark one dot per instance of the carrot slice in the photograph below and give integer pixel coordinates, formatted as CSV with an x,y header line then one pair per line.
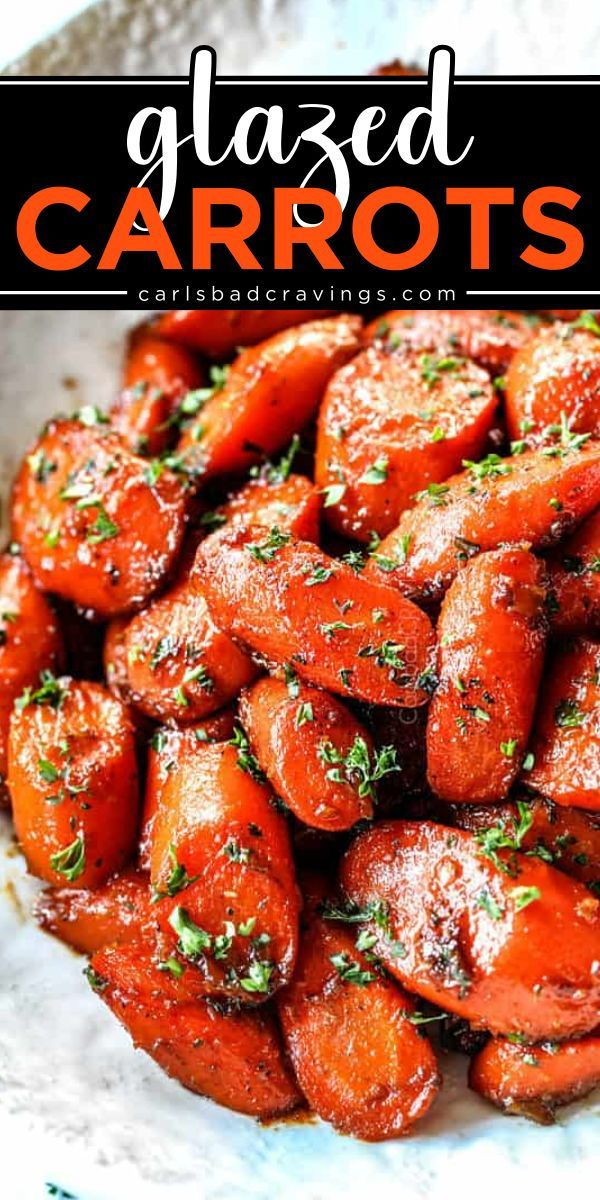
x,y
492,636
533,1081
360,1061
566,742
118,911
290,602
235,1058
489,336
555,375
157,375
93,525
314,752
390,425
270,393
30,640
505,941
221,859
575,580
218,332
536,497
72,776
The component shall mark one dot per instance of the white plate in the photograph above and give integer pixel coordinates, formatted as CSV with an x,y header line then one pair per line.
x,y
77,1105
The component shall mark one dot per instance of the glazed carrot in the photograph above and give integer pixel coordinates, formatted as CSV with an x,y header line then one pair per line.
x,y
535,497
360,1061
566,837
533,1081
72,776
119,911
390,425
290,602
178,665
575,580
294,504
270,393
566,741
30,640
556,374
221,859
219,332
93,525
503,940
314,752
235,1058
492,636
157,375
165,746
489,336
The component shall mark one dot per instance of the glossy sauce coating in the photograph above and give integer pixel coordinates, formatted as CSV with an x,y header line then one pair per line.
x,y
218,822
30,640
116,912
574,570
72,776
568,838
492,635
389,425
301,735
489,336
178,665
165,747
557,372
511,952
157,375
533,497
292,603
218,332
91,526
533,1081
270,393
235,1058
293,504
566,741
360,1062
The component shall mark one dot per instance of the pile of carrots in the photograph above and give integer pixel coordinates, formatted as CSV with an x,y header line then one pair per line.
x,y
300,705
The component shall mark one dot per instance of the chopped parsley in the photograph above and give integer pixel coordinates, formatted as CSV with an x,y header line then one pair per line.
x,y
265,551
377,473
70,862
350,971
